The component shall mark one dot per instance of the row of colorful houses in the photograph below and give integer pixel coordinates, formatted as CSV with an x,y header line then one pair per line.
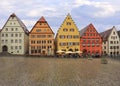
x,y
41,40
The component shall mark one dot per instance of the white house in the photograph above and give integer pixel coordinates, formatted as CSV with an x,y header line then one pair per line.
x,y
110,43
14,36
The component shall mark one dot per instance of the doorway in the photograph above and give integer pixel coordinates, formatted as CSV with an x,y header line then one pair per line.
x,y
4,48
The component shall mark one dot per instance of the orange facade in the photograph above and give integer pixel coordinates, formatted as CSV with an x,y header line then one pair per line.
x,y
41,39
90,40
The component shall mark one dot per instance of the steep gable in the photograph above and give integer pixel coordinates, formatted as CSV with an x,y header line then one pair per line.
x,y
105,35
67,24
90,26
19,22
41,26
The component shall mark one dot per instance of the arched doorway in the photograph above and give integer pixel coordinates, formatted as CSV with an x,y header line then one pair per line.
x,y
70,50
43,52
4,48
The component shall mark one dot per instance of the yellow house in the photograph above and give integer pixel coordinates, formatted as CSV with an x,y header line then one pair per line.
x,y
68,37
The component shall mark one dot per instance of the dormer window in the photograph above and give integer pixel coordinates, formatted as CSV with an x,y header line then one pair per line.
x,y
12,17
68,23
113,33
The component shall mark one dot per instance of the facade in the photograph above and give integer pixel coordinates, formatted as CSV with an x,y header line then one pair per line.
x,y
41,39
110,45
119,41
67,38
90,40
14,36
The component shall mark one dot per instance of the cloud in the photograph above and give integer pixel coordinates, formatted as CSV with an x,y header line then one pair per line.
x,y
101,9
101,13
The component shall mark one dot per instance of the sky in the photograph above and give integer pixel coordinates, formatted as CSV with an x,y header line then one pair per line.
x,y
103,14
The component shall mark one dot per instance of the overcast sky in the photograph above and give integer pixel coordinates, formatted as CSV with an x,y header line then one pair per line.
x,y
102,13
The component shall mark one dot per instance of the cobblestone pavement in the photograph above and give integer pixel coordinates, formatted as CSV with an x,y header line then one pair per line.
x,y
23,71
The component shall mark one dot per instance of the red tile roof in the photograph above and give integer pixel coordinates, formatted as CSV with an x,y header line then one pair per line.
x,y
42,19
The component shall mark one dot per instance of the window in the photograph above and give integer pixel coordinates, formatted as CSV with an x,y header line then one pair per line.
x,y
43,36
104,47
16,41
111,47
114,42
62,36
2,35
38,30
12,29
16,29
84,41
65,29
113,33
6,29
20,34
70,43
11,35
40,23
62,44
11,47
32,42
20,47
6,35
114,47
49,36
6,41
83,45
49,41
84,34
111,42
97,45
69,36
20,40
93,45
16,35
71,30
11,41
16,47
68,23
111,53
88,45
117,47
75,36
12,17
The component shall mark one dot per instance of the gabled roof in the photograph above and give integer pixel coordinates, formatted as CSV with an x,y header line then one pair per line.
x,y
42,20
105,35
20,22
68,16
82,31
119,33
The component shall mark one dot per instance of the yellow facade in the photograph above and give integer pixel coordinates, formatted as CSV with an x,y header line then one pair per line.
x,y
68,37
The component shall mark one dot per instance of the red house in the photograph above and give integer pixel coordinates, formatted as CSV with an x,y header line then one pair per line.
x,y
90,40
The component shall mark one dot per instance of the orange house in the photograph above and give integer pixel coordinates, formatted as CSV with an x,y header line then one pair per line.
x,y
90,40
41,39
